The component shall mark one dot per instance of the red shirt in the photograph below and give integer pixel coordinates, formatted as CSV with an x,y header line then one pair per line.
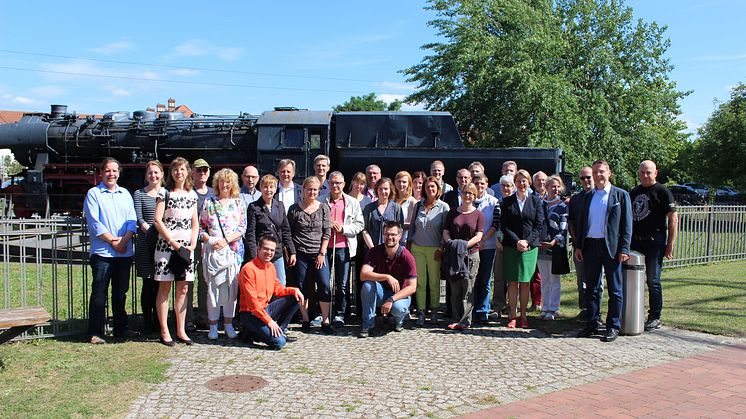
x,y
258,283
338,239
401,266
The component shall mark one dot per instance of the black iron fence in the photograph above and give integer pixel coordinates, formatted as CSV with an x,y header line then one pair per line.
x,y
45,261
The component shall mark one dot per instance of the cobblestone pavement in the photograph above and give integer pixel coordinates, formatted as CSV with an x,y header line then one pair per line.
x,y
427,372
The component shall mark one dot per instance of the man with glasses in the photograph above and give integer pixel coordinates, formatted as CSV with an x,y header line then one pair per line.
x,y
372,174
453,197
347,222
389,278
575,206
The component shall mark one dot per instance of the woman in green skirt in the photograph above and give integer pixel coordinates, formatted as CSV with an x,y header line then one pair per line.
x,y
521,219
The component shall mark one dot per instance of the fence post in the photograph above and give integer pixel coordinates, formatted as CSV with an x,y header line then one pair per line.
x,y
710,229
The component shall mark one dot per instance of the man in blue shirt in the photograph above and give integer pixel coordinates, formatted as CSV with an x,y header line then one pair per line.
x,y
110,214
603,234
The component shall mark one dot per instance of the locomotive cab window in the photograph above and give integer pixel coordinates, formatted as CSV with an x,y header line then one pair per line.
x,y
294,137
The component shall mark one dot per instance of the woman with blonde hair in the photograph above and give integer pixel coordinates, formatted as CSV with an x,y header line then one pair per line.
x,y
553,260
310,223
176,220
222,227
521,220
267,215
403,197
145,210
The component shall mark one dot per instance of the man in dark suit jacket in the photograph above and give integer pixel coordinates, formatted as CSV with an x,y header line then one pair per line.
x,y
288,192
453,197
604,233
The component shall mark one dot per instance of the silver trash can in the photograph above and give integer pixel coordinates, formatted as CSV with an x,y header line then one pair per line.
x,y
633,291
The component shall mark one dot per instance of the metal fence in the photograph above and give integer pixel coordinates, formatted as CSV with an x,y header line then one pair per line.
x,y
45,261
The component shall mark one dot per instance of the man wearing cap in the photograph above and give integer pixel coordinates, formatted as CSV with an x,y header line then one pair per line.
x,y
200,176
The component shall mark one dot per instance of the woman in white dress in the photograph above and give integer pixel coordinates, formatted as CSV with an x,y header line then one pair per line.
x,y
177,223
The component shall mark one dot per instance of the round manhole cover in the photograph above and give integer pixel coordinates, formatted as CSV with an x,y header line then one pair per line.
x,y
236,383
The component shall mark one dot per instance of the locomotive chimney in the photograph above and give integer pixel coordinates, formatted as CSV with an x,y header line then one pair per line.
x,y
58,111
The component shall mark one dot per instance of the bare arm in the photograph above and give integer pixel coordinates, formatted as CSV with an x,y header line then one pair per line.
x,y
673,232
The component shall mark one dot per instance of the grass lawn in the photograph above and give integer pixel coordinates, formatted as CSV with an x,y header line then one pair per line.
x,y
54,378
706,298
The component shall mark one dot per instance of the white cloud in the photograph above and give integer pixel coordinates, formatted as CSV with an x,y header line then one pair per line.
x,y
22,100
120,92
391,85
389,97
200,47
113,47
185,72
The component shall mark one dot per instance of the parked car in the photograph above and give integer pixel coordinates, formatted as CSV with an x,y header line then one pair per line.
x,y
726,194
698,187
685,195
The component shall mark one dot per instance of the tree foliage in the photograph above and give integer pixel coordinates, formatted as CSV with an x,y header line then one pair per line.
x,y
368,103
9,166
575,74
721,147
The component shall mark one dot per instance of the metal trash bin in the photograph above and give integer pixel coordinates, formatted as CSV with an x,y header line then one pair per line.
x,y
633,294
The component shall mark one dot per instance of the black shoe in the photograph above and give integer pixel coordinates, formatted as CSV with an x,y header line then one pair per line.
x,y
652,324
327,328
187,342
610,335
586,332
533,308
582,316
190,327
168,343
305,327
364,333
290,338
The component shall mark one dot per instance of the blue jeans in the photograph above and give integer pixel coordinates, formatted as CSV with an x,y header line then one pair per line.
x,y
341,278
653,249
595,257
281,310
280,268
305,266
105,270
373,294
482,284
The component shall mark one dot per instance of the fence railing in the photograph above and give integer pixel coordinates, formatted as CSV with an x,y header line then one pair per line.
x,y
45,261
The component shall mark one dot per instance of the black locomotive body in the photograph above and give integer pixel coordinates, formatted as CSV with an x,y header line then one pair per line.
x,y
63,151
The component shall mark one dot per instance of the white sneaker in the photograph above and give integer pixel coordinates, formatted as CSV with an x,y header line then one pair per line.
x,y
213,333
543,315
230,331
421,319
549,316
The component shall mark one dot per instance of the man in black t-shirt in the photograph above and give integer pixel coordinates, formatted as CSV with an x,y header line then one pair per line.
x,y
654,231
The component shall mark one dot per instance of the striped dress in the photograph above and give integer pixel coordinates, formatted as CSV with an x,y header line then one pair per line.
x,y
145,211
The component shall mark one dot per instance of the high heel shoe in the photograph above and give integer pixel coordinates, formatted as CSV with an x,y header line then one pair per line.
x,y
169,343
511,323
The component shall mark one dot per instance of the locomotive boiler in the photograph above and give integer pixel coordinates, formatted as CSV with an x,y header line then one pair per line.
x,y
63,150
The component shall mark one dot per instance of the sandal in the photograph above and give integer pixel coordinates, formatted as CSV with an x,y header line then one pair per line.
x,y
524,323
511,323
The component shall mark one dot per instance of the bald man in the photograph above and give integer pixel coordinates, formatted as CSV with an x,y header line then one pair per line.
x,y
654,230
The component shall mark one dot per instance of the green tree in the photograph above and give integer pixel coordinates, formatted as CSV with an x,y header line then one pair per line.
x,y
575,74
721,147
368,103
9,166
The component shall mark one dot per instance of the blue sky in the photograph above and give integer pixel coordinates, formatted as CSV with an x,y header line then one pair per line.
x,y
249,57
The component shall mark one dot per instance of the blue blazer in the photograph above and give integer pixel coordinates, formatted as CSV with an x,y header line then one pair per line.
x,y
618,222
521,225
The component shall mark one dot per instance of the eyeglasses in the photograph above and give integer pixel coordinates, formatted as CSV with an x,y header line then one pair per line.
x,y
585,178
203,169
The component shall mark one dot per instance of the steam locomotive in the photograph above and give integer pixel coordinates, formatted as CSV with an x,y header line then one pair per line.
x,y
63,150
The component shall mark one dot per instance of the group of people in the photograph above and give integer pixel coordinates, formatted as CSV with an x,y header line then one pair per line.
x,y
495,246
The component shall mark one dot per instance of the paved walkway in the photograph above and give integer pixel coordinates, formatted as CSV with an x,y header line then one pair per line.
x,y
434,373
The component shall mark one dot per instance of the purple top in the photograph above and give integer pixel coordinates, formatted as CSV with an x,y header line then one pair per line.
x,y
465,226
401,266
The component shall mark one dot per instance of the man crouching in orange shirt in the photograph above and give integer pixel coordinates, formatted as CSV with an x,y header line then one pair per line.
x,y
262,320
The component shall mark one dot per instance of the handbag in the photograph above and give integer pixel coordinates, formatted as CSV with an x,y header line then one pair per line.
x,y
560,263
179,261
